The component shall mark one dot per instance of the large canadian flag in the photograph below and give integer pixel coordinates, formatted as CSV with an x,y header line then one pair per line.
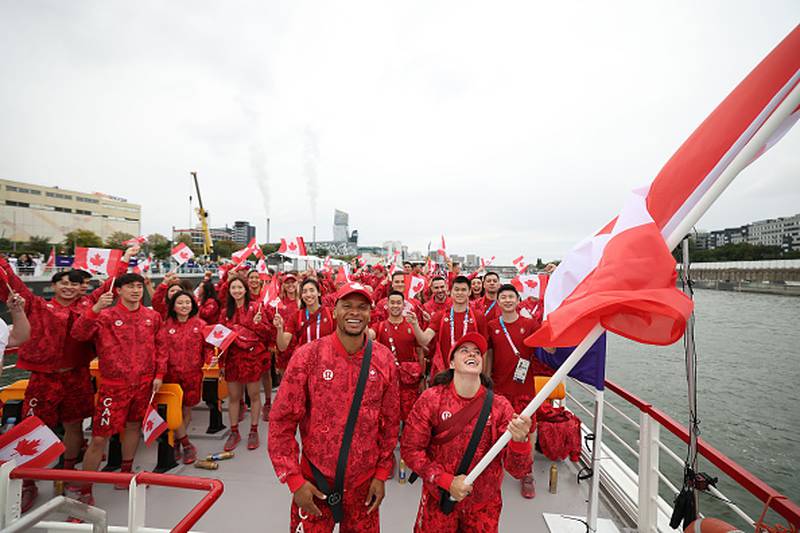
x,y
530,285
414,285
30,443
297,246
152,425
623,276
98,260
182,253
219,336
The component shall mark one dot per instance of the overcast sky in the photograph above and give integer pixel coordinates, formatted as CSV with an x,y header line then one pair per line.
x,y
510,127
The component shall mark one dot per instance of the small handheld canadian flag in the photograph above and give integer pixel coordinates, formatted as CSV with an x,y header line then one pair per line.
x,y
261,268
520,263
294,247
152,425
30,443
443,250
219,336
142,266
270,294
51,261
141,239
414,285
104,260
182,253
530,285
486,263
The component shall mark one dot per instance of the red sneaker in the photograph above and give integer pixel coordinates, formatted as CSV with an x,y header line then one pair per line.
x,y
177,451
265,412
189,454
29,494
233,441
252,440
528,487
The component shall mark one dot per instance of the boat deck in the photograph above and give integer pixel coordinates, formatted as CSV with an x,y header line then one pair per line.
x,y
254,500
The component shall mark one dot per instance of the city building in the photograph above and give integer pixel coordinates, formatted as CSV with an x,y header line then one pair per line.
x,y
341,232
196,234
344,242
782,231
472,260
28,210
243,232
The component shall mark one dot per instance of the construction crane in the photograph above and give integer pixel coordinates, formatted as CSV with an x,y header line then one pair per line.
x,y
208,245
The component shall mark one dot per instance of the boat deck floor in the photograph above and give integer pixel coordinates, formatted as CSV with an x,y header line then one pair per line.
x,y
254,500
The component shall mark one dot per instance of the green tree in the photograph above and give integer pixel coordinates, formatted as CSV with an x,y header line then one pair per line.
x,y
82,237
269,248
39,244
116,239
158,245
224,248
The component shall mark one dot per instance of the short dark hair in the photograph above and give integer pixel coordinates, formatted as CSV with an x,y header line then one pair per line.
x,y
125,279
82,273
492,273
171,304
507,287
462,279
398,273
438,278
409,263
71,275
395,293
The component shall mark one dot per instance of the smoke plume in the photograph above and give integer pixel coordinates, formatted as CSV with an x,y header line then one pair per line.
x,y
311,154
258,162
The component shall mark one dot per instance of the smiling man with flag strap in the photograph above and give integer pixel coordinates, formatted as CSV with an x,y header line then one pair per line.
x,y
341,392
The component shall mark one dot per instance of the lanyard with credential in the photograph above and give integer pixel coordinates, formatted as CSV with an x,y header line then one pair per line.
x,y
308,327
453,326
508,337
489,310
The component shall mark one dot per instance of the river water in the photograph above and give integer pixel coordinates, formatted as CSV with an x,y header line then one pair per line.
x,y
748,378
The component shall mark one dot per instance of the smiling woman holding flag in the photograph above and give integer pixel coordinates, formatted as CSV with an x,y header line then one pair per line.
x,y
247,358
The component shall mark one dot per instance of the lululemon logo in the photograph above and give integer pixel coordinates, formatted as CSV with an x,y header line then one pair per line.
x,y
118,323
497,332
172,331
446,415
327,374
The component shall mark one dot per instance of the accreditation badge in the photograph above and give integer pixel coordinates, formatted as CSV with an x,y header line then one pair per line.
x,y
521,372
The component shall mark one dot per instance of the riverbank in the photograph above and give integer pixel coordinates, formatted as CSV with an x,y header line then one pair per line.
x,y
780,288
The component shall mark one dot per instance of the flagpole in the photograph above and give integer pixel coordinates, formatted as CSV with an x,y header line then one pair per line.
x,y
742,159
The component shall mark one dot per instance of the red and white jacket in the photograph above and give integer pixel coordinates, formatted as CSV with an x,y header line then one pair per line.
x,y
126,343
185,346
436,464
315,395
51,347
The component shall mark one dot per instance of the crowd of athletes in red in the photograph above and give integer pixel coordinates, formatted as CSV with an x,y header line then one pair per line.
x,y
434,363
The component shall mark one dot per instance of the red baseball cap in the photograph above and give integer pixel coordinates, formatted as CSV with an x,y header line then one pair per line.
x,y
475,338
353,288
289,276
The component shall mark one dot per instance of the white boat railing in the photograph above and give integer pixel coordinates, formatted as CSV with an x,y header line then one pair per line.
x,y
638,495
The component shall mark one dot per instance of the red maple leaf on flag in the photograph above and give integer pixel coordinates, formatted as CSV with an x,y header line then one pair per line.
x,y
184,255
418,286
97,260
293,246
27,447
531,283
149,426
218,334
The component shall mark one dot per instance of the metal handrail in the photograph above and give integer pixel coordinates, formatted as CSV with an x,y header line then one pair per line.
x,y
214,487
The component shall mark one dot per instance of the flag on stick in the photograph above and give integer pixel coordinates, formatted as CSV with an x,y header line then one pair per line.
x,y
30,443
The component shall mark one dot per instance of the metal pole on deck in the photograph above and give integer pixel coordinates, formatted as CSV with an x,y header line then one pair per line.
x,y
691,369
594,489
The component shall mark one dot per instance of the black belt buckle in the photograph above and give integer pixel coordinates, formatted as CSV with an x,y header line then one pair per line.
x,y
334,498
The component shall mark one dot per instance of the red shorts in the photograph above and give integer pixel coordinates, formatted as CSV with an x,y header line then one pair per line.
x,y
118,404
355,520
244,366
483,518
59,396
191,385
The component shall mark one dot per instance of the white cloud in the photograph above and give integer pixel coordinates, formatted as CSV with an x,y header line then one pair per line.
x,y
513,128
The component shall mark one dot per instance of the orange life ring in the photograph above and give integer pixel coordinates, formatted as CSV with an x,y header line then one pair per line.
x,y
711,525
